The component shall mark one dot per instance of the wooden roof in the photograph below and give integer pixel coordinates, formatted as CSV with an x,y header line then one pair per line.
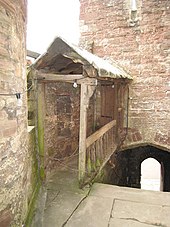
x,y
64,58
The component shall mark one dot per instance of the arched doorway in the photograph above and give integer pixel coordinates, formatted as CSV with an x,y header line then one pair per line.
x,y
124,167
151,175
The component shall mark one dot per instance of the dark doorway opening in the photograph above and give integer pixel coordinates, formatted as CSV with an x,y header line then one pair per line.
x,y
124,167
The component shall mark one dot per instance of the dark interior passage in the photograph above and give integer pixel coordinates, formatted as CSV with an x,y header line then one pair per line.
x,y
124,167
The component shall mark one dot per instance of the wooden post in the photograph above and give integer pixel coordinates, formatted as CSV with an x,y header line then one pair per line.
x,y
115,129
40,126
87,89
82,133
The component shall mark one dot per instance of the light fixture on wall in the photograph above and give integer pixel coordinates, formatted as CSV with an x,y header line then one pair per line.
x,y
133,14
75,84
113,85
133,5
19,100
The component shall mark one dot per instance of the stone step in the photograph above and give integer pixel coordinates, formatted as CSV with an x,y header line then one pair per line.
x,y
40,208
113,206
126,193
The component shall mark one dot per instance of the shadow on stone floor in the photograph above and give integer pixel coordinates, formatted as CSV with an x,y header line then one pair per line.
x,y
59,197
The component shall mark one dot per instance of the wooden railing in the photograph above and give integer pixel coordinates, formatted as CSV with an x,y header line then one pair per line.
x,y
99,147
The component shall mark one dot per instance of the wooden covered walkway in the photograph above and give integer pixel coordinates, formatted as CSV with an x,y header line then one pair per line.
x,y
104,84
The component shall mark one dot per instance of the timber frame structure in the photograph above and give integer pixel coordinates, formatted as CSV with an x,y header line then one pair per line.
x,y
64,62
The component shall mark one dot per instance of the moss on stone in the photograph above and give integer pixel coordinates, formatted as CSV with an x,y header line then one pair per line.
x,y
41,131
51,151
32,208
42,172
38,172
34,161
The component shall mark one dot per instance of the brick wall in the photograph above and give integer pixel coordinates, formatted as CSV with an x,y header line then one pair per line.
x,y
14,160
139,42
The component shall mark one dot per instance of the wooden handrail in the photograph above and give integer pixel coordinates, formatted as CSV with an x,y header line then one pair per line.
x,y
95,136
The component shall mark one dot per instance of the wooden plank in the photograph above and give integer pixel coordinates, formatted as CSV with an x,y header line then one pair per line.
x,y
93,158
95,136
116,111
78,78
104,144
98,149
82,132
101,148
107,101
59,77
88,81
88,161
32,54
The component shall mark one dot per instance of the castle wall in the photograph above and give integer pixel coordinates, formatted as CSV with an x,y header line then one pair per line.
x,y
139,42
15,161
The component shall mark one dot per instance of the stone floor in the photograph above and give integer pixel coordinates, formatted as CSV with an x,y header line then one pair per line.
x,y
101,206
113,206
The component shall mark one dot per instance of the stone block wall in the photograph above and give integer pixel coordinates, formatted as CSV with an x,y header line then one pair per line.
x,y
62,107
139,42
14,157
62,122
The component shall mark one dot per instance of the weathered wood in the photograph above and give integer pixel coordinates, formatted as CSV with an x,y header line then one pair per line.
x,y
108,140
99,150
59,77
93,157
101,147
88,81
82,132
88,161
70,78
86,92
32,54
104,144
95,136
116,110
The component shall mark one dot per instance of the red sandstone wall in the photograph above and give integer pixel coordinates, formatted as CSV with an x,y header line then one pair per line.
x,y
14,158
62,107
141,46
62,122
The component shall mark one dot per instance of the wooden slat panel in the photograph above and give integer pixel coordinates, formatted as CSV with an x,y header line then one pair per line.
x,y
88,161
107,101
95,136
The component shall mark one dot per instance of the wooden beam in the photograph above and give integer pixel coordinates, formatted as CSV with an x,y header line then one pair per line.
x,y
95,136
70,78
40,125
32,54
88,81
58,77
86,92
82,133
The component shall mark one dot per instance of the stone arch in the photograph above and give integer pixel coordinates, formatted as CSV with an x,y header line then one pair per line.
x,y
137,155
124,167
